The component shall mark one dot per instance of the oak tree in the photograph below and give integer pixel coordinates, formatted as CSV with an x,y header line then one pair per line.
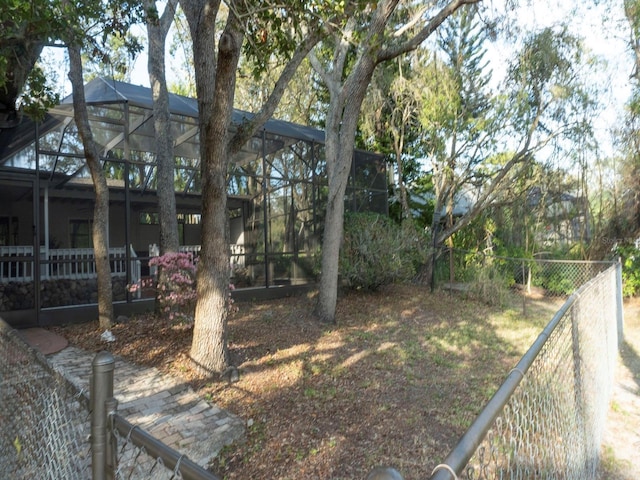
x,y
264,29
370,33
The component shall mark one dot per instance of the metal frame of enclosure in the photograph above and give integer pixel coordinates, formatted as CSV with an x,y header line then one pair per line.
x,y
277,190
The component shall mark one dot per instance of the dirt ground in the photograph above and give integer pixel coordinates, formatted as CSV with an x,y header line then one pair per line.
x,y
396,382
621,449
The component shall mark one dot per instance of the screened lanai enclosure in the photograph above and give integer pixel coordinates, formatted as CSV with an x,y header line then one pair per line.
x,y
277,191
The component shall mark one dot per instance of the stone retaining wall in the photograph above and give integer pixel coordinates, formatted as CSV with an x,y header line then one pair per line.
x,y
56,293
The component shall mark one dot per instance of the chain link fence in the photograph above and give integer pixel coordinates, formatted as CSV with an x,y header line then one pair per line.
x,y
491,277
51,430
122,450
546,420
44,421
140,456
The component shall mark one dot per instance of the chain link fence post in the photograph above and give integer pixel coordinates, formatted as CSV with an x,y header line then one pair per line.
x,y
103,366
620,311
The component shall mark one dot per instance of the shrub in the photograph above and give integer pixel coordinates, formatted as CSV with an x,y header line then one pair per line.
x,y
490,285
377,252
630,257
558,283
176,288
176,292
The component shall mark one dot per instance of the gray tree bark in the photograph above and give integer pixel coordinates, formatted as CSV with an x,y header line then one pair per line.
x,y
101,206
21,56
341,127
157,29
215,84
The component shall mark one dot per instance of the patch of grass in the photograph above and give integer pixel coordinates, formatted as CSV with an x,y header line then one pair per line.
x,y
441,360
364,336
415,352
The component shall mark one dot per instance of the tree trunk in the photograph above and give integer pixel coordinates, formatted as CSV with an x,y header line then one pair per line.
x,y
215,100
215,86
404,199
101,207
157,29
325,309
342,117
342,122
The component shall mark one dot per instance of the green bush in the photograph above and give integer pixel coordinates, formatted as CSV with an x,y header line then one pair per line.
x,y
630,270
377,252
490,284
555,278
558,283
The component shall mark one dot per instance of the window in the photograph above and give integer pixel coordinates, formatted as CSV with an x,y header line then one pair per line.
x,y
8,231
149,218
80,233
189,218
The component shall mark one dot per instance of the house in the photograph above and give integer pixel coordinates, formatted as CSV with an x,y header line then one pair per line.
x,y
565,218
276,196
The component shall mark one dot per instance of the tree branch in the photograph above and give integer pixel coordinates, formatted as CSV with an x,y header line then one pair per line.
x,y
423,34
167,16
317,67
342,46
249,127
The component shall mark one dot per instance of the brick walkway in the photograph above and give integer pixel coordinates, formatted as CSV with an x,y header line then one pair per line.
x,y
163,406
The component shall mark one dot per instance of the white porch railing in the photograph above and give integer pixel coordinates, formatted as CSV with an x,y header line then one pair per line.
x,y
195,249
237,255
17,265
19,269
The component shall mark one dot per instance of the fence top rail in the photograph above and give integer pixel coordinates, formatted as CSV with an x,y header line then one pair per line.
x,y
15,248
540,260
469,442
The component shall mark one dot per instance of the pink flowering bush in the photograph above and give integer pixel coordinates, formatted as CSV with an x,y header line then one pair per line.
x,y
176,286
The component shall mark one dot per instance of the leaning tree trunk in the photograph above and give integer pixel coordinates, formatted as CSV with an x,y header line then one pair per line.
x,y
20,55
342,122
101,207
325,309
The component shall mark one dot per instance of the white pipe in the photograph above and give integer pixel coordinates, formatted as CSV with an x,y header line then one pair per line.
x,y
46,220
44,272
